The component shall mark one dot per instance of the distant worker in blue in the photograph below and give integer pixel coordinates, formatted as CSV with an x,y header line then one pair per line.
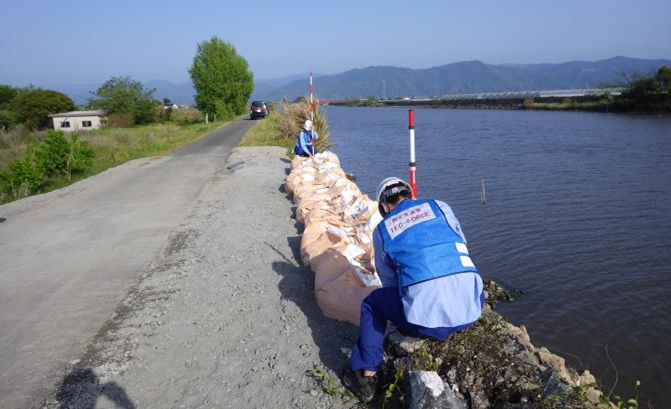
x,y
305,145
430,286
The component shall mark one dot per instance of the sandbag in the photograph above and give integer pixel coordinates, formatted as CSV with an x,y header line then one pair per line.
x,y
341,298
328,266
336,242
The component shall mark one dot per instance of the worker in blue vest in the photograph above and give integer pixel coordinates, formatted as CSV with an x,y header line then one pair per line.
x,y
305,145
430,286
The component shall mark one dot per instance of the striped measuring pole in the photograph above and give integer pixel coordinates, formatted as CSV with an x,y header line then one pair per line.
x,y
413,164
312,119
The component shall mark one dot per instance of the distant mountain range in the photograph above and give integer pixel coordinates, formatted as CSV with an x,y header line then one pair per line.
x,y
457,78
461,78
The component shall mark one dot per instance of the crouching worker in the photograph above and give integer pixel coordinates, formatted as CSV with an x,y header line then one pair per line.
x,y
430,286
305,145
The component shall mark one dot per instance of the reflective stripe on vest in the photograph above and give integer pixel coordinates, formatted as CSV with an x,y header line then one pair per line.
x,y
421,244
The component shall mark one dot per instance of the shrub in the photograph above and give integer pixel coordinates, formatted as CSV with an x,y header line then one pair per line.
x,y
23,176
145,112
80,156
53,157
52,154
58,156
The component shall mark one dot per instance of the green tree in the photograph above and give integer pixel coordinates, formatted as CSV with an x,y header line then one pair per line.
x,y
8,119
35,106
664,78
145,112
121,95
222,79
7,94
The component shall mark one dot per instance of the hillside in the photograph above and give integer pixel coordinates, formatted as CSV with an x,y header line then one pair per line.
x,y
456,78
461,77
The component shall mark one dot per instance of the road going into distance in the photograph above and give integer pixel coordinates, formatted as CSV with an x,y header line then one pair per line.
x,y
68,257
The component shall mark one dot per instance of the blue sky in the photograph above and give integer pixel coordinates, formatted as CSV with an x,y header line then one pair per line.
x,y
70,42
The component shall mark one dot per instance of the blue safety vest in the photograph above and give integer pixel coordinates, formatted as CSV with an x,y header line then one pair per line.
x,y
420,242
306,138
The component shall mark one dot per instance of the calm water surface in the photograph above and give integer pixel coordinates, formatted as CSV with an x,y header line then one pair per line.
x,y
578,217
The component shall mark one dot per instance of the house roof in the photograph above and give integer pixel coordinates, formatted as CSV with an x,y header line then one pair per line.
x,y
79,113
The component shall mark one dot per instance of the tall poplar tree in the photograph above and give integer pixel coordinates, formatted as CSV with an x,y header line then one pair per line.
x,y
222,79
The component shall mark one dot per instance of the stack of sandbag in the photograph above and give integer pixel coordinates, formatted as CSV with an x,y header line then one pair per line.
x,y
337,240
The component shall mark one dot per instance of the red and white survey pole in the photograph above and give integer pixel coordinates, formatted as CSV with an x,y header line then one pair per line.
x,y
312,108
413,164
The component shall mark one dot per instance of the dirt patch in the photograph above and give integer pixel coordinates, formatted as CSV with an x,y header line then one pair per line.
x,y
178,241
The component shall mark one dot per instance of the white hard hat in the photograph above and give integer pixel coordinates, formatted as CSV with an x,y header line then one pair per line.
x,y
308,125
389,187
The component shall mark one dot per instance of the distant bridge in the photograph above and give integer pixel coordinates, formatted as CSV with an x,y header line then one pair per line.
x,y
557,93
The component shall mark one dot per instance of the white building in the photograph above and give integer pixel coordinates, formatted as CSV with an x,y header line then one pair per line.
x,y
78,120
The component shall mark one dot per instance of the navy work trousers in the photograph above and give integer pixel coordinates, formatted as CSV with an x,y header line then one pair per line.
x,y
382,305
298,151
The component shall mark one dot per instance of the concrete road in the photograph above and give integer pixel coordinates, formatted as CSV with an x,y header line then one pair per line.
x,y
68,257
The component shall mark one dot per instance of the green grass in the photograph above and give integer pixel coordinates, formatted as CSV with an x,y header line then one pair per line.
x,y
329,384
265,133
112,146
115,146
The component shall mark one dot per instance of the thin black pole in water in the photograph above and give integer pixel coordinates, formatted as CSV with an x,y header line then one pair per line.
x,y
483,195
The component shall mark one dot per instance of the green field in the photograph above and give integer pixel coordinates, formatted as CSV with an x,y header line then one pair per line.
x,y
112,147
266,133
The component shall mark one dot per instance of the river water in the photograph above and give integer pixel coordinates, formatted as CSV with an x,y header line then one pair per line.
x,y
578,217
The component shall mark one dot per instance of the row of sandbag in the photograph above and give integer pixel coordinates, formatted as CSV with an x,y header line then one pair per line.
x,y
337,239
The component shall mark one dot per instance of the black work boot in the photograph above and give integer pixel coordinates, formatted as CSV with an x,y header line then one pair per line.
x,y
363,387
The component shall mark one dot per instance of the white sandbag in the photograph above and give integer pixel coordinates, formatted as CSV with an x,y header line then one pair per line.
x,y
369,280
351,252
373,221
344,233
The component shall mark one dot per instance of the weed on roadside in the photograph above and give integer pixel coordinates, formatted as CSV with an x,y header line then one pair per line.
x,y
393,394
329,384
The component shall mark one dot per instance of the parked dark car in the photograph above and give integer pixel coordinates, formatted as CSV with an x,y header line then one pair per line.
x,y
259,109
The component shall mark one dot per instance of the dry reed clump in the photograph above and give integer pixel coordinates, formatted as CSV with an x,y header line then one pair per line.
x,y
294,116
